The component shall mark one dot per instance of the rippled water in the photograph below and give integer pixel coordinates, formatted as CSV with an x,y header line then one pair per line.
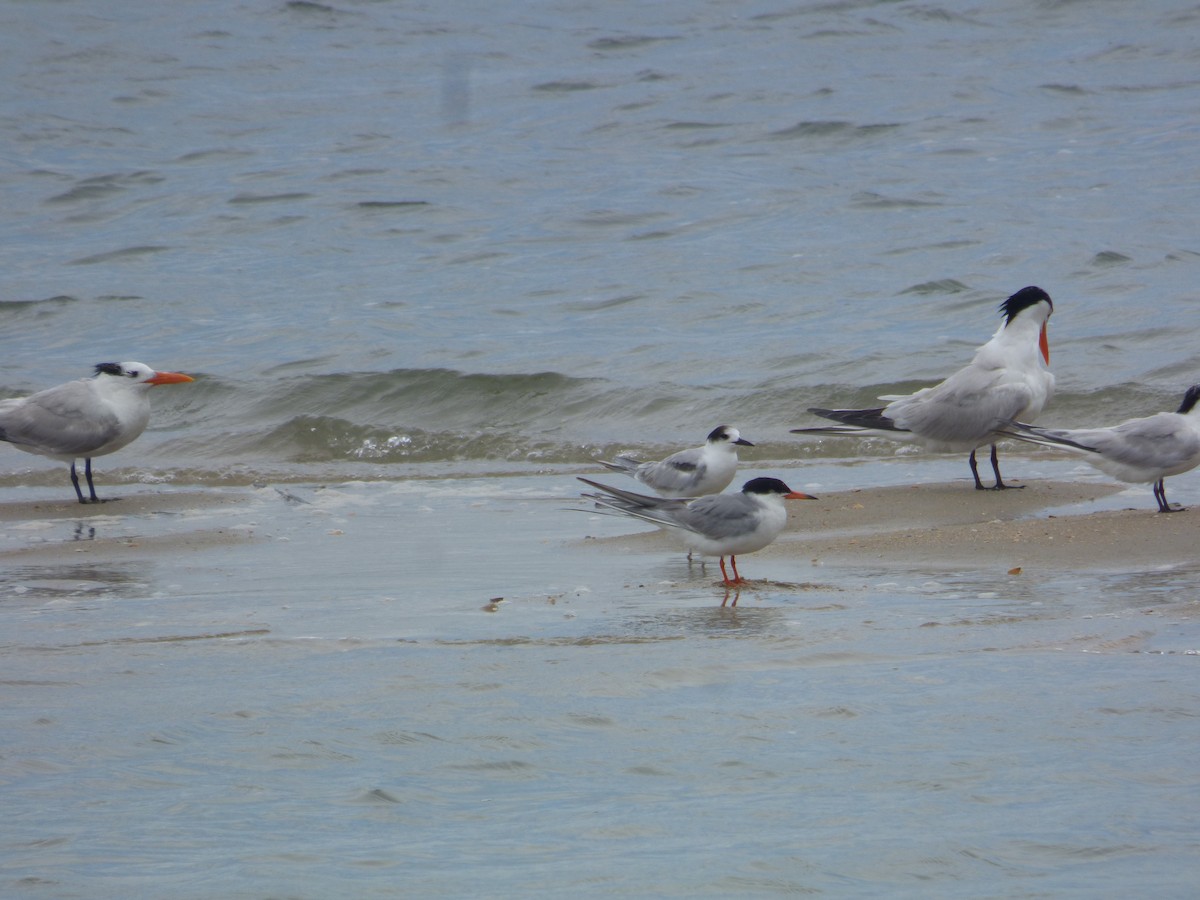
x,y
551,227
403,244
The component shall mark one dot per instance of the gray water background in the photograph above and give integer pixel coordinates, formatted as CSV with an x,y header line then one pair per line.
x,y
426,260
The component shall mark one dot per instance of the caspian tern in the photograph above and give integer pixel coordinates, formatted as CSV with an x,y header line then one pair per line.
x,y
1139,451
1009,378
84,418
689,473
717,525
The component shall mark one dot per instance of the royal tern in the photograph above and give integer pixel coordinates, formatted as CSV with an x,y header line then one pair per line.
x,y
717,525
1139,451
689,473
84,418
1009,378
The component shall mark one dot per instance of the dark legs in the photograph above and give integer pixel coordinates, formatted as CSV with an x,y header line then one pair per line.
x,y
75,481
87,471
999,485
971,460
1160,494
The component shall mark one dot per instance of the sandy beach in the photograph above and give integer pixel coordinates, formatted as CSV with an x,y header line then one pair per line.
x,y
146,526
1049,525
1046,525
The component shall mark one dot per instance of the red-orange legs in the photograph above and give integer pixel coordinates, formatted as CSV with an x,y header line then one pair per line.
x,y
737,579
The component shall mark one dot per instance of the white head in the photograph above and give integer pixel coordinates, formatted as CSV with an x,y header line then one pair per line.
x,y
137,373
727,435
1030,303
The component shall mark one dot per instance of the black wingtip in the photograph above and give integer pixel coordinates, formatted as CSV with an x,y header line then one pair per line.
x,y
859,418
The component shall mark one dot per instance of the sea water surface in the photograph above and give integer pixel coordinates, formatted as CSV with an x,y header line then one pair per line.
x,y
426,261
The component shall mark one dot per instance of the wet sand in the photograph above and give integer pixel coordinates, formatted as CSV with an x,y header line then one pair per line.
x,y
951,527
1047,525
211,674
150,510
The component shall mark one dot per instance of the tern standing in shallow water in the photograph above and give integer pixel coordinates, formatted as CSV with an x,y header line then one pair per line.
x,y
85,418
1140,451
689,473
717,525
1009,378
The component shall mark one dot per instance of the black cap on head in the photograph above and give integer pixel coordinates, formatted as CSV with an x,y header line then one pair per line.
x,y
720,433
765,486
1022,300
1189,399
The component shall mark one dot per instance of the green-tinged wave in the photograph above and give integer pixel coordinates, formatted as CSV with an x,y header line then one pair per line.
x,y
309,439
431,415
359,424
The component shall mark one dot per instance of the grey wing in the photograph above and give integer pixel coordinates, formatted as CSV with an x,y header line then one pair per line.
x,y
719,516
1162,441
965,407
652,509
678,473
63,421
626,464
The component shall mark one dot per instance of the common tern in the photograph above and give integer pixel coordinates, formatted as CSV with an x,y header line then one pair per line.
x,y
1009,378
84,418
1139,451
717,525
689,473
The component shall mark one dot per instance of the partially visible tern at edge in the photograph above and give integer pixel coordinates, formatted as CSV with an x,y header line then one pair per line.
x,y
84,418
689,473
1139,451
717,525
1009,379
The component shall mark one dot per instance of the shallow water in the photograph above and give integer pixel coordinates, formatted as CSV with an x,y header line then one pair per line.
x,y
426,264
489,704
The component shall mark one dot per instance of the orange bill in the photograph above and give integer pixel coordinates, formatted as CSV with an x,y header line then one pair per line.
x,y
169,378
